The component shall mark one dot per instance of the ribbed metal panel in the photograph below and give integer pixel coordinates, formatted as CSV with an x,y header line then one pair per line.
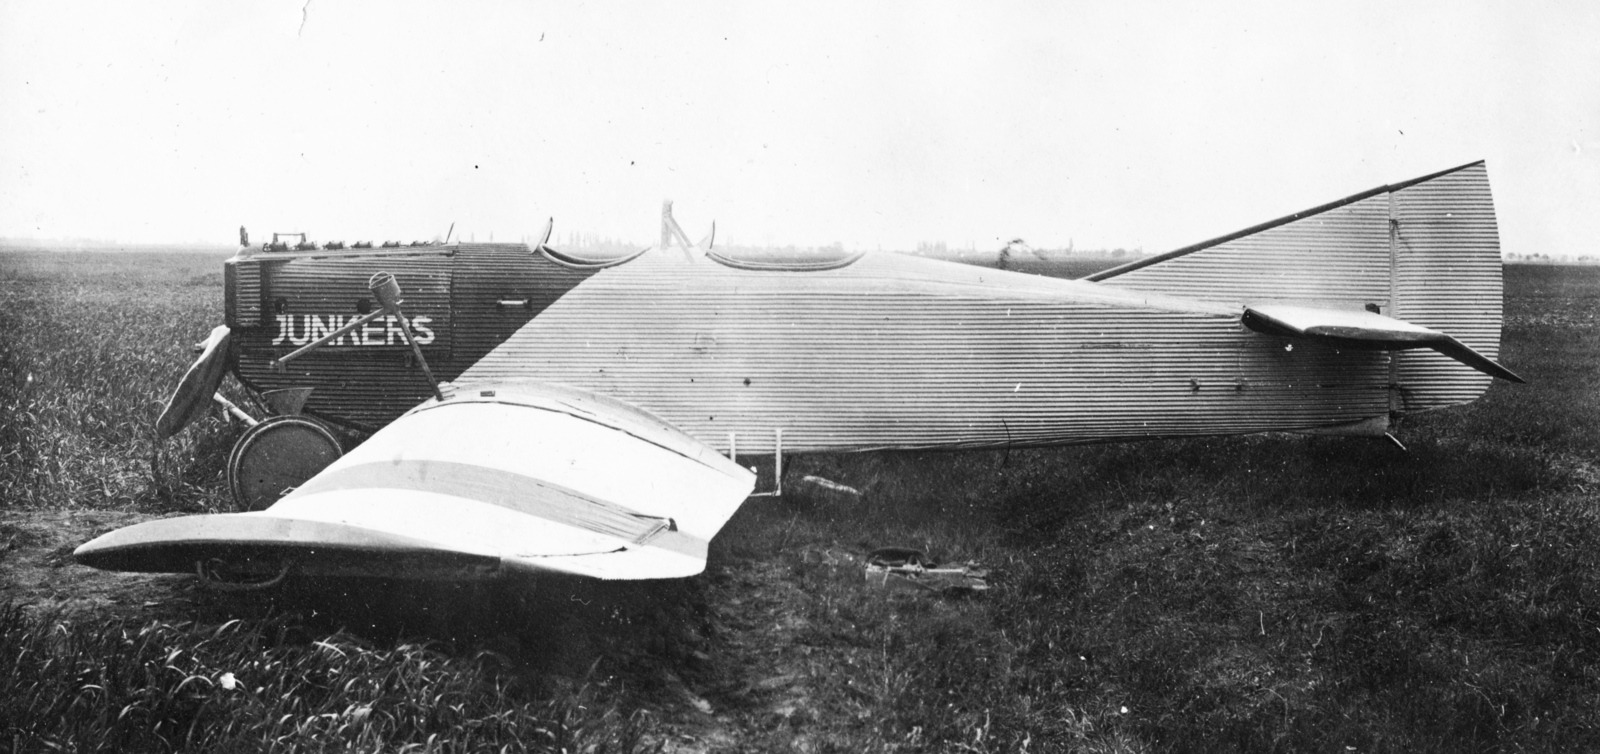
x,y
243,293
900,352
1439,267
892,351
473,296
1447,278
363,385
498,288
1338,258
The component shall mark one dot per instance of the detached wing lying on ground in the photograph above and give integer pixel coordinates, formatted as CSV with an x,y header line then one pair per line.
x,y
523,477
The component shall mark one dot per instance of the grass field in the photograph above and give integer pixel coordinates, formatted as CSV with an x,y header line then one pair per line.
x,y
1267,593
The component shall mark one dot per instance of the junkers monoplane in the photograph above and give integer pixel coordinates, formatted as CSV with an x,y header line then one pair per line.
x,y
538,410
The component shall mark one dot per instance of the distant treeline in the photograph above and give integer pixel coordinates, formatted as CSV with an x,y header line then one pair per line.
x,y
48,244
1555,259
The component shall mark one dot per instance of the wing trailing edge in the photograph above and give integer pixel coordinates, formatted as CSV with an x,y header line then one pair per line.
x,y
1365,330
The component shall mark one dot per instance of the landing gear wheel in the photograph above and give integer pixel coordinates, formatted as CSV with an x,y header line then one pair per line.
x,y
276,456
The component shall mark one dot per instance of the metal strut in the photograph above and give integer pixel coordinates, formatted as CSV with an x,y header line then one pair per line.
x,y
231,408
777,464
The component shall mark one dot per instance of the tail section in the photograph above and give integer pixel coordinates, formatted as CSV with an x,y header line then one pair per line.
x,y
1426,252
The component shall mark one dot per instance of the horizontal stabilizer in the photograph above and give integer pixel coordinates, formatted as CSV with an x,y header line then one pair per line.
x,y
1366,330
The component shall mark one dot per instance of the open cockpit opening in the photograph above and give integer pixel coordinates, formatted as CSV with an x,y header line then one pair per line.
x,y
785,260
591,259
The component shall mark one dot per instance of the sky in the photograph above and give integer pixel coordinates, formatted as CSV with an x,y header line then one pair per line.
x,y
875,125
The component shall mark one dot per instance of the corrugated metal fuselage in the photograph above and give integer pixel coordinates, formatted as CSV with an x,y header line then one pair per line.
x,y
887,352
892,351
899,352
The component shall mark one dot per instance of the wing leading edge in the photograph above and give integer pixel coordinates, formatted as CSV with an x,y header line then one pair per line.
x,y
523,477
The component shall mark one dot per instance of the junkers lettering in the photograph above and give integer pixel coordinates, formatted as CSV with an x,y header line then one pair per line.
x,y
300,329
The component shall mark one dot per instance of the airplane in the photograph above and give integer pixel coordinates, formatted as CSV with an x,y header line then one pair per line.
x,y
540,411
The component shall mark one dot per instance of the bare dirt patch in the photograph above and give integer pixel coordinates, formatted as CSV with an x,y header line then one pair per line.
x,y
36,566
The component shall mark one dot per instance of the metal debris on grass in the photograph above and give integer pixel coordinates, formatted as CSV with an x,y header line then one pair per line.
x,y
828,485
903,567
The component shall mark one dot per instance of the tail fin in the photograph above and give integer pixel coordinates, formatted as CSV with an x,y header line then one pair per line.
x,y
1426,251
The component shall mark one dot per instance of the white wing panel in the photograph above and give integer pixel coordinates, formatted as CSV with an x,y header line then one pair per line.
x,y
534,475
531,477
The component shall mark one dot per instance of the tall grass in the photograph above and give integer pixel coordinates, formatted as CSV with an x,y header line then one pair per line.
x,y
91,345
113,684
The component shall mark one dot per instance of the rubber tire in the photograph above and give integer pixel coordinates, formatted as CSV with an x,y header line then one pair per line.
x,y
276,456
